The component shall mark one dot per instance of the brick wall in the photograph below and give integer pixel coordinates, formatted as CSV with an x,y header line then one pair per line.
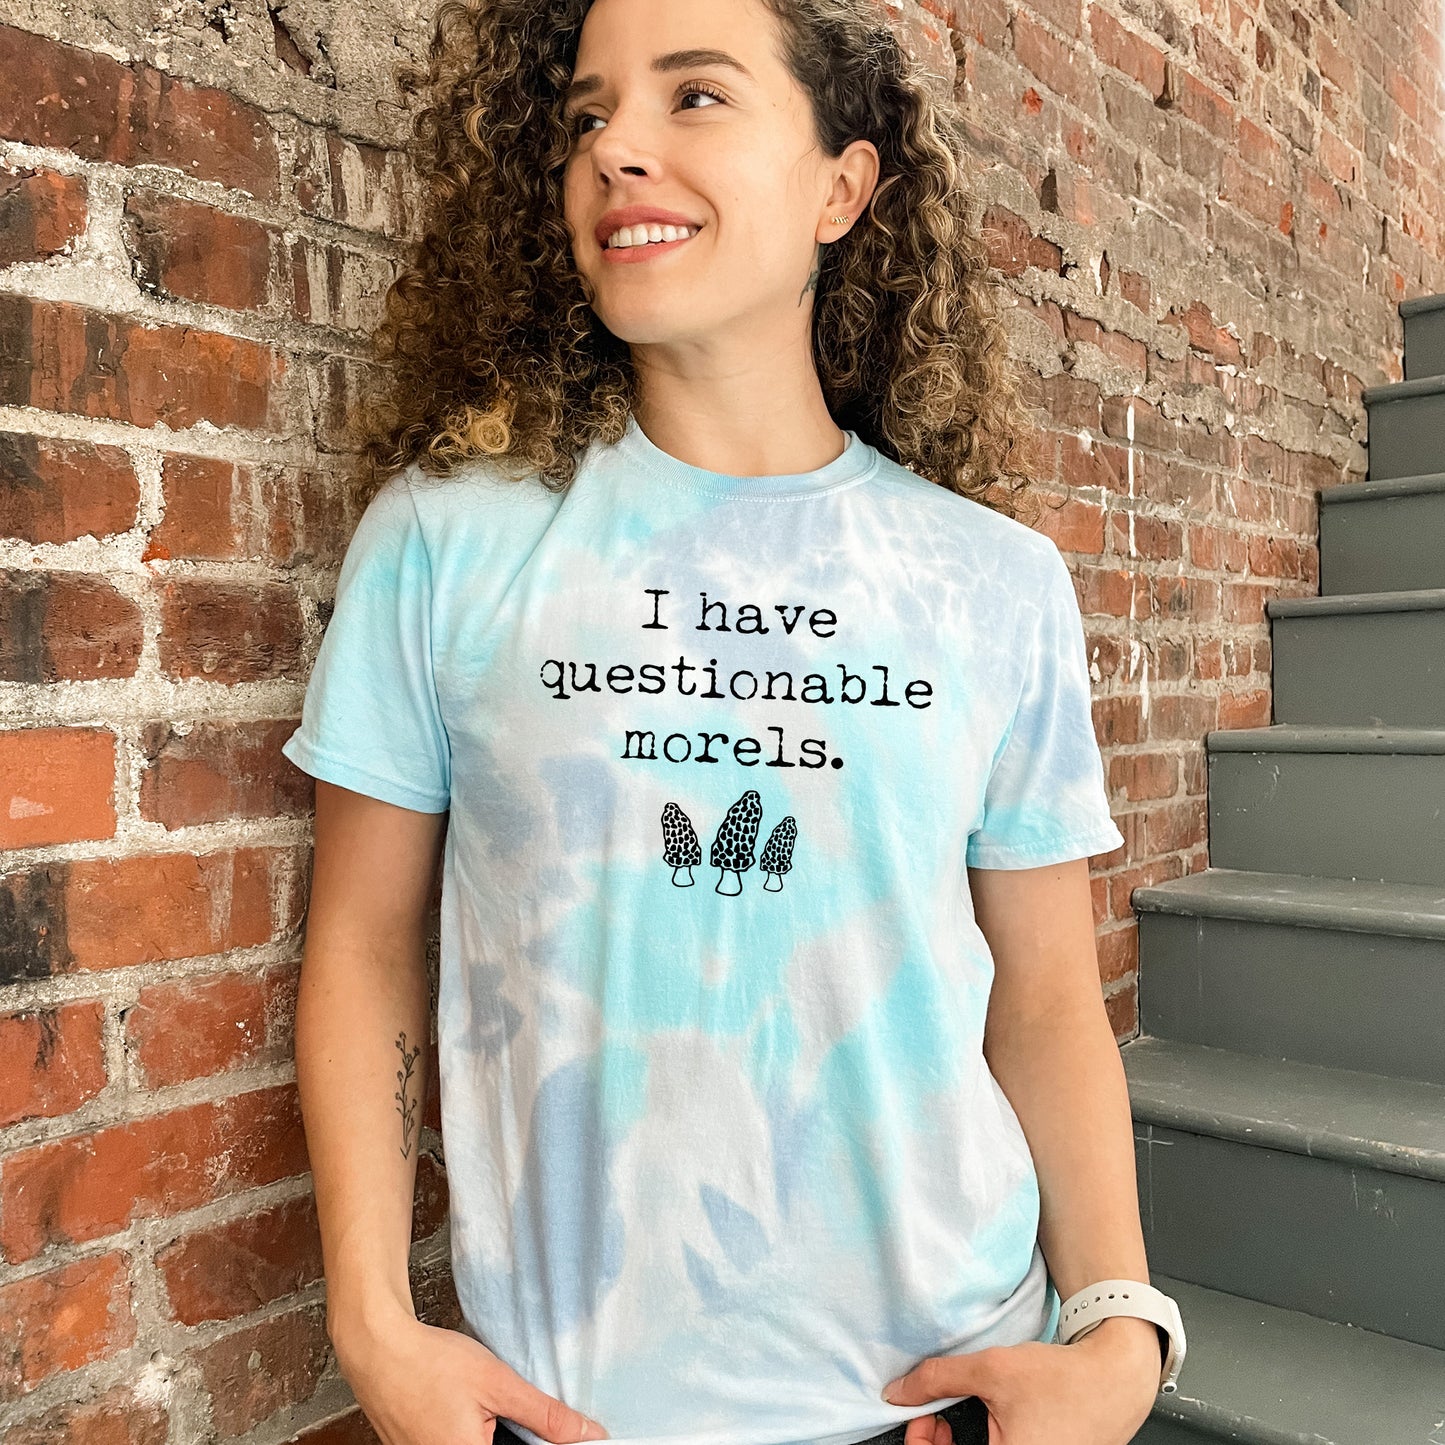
x,y
1208,219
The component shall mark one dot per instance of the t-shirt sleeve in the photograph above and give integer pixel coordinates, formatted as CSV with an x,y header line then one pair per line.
x,y
1045,800
371,720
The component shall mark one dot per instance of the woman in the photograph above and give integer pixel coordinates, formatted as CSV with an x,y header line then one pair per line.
x,y
696,603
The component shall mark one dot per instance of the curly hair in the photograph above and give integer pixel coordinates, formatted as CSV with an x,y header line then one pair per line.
x,y
488,347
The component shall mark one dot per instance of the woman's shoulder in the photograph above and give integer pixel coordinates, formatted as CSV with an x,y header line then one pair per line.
x,y
954,521
481,497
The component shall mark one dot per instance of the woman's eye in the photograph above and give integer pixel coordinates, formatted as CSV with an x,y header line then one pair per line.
x,y
700,90
578,123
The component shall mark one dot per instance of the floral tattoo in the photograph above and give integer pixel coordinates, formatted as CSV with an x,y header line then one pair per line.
x,y
404,1106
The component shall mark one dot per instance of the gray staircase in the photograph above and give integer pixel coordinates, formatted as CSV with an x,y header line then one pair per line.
x,y
1288,1083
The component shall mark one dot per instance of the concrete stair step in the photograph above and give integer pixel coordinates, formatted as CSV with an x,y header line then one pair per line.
x,y
1329,971
1365,659
1311,1188
1340,802
1382,536
1424,318
1261,1375
1406,426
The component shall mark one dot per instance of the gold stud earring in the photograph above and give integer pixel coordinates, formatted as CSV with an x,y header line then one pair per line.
x,y
840,220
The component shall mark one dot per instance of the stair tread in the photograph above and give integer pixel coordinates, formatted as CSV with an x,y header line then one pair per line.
x,y
1325,738
1402,599
1256,1372
1344,1114
1305,900
1418,305
1374,488
1387,391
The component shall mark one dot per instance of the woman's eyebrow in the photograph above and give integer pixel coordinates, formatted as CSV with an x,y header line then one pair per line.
x,y
671,60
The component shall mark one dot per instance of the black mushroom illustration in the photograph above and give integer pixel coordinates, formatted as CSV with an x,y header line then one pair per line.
x,y
732,849
680,848
778,853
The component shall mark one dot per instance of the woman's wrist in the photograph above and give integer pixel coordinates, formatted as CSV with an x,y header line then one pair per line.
x,y
1127,1337
355,1322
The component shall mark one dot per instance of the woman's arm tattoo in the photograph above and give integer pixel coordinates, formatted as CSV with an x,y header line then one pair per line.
x,y
404,1106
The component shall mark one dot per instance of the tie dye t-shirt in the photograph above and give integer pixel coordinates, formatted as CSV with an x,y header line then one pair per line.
x,y
723,1150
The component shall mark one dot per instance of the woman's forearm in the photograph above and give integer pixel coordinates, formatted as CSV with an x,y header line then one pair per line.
x,y
1060,1068
362,1020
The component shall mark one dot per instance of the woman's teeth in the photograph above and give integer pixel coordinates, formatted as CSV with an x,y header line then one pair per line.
x,y
641,235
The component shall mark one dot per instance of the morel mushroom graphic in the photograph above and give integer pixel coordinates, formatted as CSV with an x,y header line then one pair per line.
x,y
680,848
732,849
778,853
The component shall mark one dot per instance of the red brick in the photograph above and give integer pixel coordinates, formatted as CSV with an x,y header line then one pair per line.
x,y
1124,349
1335,65
57,785
68,1191
56,491
1245,709
235,1267
1255,195
197,252
1259,148
1063,67
1197,321
193,1028
100,913
62,358
1070,401
124,911
221,770
115,1417
63,1319
1064,15
1127,52
230,631
1135,289
1138,534
73,99
221,510
51,1060
59,625
1093,463
1075,526
1218,60
1201,103
1144,775
328,507
41,213
1013,247
353,1428
253,1373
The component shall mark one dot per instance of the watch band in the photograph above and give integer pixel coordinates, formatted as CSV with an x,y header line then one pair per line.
x,y
1094,1304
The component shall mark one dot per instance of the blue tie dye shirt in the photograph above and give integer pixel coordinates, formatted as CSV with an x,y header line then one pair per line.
x,y
723,1150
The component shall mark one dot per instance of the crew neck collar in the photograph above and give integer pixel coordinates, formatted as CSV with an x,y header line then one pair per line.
x,y
855,462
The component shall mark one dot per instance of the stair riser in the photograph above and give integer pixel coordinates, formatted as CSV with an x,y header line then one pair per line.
x,y
1320,996
1425,344
1407,435
1155,1431
1360,668
1340,1241
1377,816
1388,544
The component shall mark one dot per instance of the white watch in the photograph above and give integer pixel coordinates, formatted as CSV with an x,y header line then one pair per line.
x,y
1096,1303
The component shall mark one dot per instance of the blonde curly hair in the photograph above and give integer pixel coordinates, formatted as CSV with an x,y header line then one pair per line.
x,y
488,347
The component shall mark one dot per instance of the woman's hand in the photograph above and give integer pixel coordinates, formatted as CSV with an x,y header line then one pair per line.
x,y
1096,1391
420,1385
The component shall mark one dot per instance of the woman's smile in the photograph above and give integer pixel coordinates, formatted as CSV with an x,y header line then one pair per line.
x,y
637,250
